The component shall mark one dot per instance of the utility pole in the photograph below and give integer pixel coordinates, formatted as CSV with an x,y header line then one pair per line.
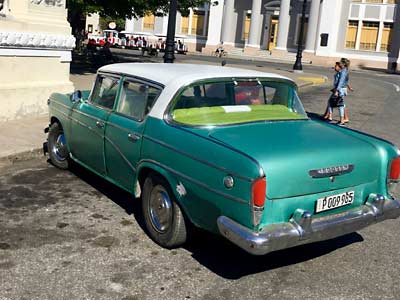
x,y
297,65
169,56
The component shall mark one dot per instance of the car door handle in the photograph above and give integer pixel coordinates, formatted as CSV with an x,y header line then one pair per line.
x,y
133,137
99,124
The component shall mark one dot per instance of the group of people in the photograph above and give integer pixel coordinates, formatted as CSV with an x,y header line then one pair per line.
x,y
339,91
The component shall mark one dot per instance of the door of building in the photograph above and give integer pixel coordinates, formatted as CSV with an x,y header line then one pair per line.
x,y
273,32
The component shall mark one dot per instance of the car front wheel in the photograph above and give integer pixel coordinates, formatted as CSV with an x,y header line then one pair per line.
x,y
57,145
162,215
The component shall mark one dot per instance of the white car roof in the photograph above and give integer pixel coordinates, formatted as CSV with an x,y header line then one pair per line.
x,y
168,73
174,76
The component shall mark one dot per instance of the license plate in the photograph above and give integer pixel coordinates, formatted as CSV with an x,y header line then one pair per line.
x,y
334,201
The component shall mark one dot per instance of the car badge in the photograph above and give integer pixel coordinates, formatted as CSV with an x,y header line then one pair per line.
x,y
331,171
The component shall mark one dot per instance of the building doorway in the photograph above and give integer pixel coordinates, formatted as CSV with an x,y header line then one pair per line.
x,y
273,32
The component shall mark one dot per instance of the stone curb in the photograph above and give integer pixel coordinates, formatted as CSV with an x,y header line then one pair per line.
x,y
22,156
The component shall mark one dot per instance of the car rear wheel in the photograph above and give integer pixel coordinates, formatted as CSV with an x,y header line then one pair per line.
x,y
163,217
57,145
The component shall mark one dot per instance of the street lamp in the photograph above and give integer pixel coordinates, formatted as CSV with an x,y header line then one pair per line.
x,y
169,56
297,65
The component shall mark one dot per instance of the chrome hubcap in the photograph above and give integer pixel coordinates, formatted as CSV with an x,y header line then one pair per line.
x,y
160,209
59,148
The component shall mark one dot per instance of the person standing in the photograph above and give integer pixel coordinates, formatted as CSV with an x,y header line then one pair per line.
x,y
341,91
332,99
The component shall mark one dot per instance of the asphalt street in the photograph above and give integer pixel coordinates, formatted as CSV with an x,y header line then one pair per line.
x,y
72,235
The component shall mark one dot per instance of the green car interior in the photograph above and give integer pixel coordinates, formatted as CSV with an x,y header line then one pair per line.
x,y
235,102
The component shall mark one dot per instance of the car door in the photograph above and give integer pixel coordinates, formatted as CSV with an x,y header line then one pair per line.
x,y
123,135
89,120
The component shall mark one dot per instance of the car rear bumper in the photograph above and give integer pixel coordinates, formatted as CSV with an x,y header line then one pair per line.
x,y
303,228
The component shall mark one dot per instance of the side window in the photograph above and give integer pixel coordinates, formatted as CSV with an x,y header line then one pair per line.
x,y
137,99
105,91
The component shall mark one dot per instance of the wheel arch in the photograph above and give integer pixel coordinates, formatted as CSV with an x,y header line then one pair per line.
x,y
146,168
54,119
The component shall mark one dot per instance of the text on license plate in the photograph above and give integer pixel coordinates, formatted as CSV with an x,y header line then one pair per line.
x,y
334,201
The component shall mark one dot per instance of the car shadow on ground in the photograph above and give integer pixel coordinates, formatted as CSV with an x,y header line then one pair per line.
x,y
231,262
212,251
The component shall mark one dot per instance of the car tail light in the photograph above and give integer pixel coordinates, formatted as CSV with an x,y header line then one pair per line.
x,y
258,195
395,169
393,182
258,192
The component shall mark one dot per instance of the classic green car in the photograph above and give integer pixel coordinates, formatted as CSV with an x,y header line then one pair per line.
x,y
231,151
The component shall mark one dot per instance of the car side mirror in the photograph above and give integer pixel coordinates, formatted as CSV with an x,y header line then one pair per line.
x,y
76,96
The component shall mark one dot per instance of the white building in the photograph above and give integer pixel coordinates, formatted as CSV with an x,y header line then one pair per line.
x,y
35,55
367,31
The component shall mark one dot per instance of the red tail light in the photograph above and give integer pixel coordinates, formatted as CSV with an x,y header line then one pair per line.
x,y
395,169
259,191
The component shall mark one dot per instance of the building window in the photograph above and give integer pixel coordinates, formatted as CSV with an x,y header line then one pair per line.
x,y
351,36
387,32
246,27
198,22
369,35
376,1
148,22
185,25
90,28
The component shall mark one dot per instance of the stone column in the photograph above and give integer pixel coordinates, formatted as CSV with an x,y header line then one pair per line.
x,y
35,56
215,17
255,24
228,29
283,29
312,26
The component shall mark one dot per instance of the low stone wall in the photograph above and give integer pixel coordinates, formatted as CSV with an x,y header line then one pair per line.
x,y
35,55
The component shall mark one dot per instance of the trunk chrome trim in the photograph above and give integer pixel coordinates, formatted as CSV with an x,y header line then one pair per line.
x,y
331,171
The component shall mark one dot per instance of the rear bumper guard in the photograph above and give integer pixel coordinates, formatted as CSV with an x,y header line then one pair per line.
x,y
303,228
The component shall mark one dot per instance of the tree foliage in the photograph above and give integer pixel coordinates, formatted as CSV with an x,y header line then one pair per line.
x,y
127,8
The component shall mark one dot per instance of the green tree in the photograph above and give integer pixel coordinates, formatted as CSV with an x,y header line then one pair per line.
x,y
121,9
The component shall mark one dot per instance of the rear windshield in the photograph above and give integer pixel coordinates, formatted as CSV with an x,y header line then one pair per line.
x,y
235,102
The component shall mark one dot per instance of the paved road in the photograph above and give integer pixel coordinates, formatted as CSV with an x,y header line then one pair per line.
x,y
71,235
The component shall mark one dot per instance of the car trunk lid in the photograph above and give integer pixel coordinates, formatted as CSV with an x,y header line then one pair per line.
x,y
293,152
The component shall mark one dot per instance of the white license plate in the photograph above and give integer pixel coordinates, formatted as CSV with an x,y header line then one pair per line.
x,y
334,201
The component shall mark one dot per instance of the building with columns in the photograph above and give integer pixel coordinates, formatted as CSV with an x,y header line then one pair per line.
x,y
366,31
35,55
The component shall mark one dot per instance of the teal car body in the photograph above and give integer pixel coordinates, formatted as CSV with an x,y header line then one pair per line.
x,y
266,176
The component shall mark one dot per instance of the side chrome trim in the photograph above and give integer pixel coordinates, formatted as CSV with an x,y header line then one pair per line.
x,y
220,143
120,153
161,143
61,112
199,183
87,115
119,127
61,104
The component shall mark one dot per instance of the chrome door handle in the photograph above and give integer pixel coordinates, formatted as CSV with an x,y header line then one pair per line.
x,y
99,124
133,137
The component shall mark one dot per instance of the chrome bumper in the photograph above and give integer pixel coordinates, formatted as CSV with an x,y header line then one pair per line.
x,y
302,228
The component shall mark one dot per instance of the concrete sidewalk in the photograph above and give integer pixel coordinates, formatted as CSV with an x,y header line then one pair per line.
x,y
23,139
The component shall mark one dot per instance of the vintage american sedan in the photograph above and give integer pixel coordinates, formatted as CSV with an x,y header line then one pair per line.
x,y
228,150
